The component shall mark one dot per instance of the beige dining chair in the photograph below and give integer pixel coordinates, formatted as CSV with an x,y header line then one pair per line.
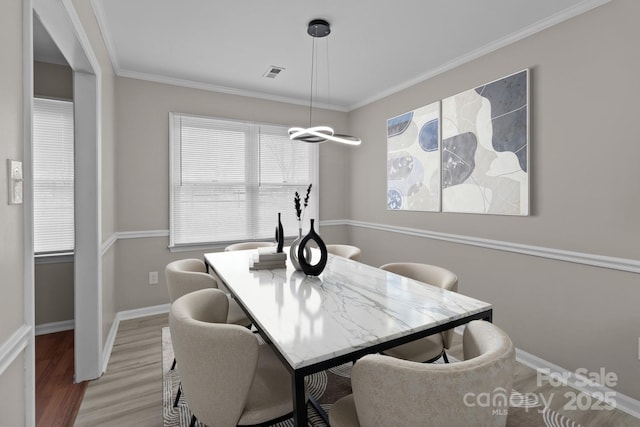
x,y
247,245
473,393
189,275
228,378
431,348
346,251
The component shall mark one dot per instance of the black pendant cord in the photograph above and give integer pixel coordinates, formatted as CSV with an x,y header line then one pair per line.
x,y
313,61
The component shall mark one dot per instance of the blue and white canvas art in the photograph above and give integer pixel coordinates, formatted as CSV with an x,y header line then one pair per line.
x,y
413,160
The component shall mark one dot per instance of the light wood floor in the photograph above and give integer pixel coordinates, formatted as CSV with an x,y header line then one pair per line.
x,y
130,392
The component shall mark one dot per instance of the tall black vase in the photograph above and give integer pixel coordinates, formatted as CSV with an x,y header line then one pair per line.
x,y
279,235
309,269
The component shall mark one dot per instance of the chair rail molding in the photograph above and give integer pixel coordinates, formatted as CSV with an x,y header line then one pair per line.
x,y
106,245
603,261
622,264
14,346
141,234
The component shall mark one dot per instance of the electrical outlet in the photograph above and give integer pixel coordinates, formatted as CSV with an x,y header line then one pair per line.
x,y
153,277
638,348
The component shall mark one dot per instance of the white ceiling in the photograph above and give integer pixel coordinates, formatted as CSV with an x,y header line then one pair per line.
x,y
375,47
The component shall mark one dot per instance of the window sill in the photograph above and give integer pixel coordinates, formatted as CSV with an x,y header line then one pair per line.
x,y
55,258
217,246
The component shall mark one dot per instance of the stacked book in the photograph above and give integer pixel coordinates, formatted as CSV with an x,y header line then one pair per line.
x,y
268,258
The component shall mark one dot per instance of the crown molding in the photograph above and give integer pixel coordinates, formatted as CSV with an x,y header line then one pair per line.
x,y
224,89
555,19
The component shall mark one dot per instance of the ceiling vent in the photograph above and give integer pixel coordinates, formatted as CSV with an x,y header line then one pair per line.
x,y
272,72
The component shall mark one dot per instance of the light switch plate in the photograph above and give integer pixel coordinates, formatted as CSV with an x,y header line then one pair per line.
x,y
15,181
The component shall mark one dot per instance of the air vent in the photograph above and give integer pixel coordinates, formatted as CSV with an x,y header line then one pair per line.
x,y
272,72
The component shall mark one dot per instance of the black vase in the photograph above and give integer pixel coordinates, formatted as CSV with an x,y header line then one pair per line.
x,y
279,235
309,269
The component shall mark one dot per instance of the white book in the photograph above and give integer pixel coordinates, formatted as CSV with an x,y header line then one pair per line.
x,y
270,254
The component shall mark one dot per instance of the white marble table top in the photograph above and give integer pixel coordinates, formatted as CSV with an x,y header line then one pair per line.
x,y
349,306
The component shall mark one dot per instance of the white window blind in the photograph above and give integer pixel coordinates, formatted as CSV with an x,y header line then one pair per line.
x,y
53,206
230,179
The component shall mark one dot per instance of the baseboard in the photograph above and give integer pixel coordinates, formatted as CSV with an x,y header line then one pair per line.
x,y
127,315
53,327
136,313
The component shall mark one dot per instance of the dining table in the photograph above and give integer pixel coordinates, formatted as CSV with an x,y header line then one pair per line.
x,y
351,309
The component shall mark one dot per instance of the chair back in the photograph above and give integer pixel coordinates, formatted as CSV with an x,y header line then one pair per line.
x,y
475,392
247,245
217,361
187,275
346,251
431,274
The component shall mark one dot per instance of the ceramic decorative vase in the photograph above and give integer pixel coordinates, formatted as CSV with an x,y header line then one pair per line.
x,y
312,269
293,250
279,235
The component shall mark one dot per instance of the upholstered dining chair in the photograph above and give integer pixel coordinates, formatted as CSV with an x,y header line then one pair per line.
x,y
247,245
473,393
228,378
188,275
431,348
346,251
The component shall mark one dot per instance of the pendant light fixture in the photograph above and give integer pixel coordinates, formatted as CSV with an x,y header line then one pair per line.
x,y
318,28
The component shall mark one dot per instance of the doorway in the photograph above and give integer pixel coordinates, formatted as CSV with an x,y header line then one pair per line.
x,y
61,22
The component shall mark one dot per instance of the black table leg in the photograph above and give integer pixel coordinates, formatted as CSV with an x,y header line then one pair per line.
x,y
299,401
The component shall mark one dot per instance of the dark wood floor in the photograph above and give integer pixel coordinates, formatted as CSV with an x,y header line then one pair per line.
x,y
58,399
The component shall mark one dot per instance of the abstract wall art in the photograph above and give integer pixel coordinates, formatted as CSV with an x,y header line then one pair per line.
x,y
468,153
413,160
485,146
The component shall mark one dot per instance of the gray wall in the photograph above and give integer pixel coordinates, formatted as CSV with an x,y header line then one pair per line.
x,y
52,80
584,181
143,173
12,317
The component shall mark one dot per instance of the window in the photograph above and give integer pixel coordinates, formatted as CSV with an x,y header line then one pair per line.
x,y
229,180
53,206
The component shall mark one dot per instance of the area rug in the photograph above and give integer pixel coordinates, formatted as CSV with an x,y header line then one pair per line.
x,y
328,386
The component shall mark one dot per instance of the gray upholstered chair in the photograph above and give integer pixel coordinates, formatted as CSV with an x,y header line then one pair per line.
x,y
400,393
228,378
247,245
430,348
346,251
188,275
